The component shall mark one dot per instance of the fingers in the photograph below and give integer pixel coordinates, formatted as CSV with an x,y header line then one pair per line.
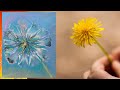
x,y
98,70
100,74
101,63
116,62
116,67
116,53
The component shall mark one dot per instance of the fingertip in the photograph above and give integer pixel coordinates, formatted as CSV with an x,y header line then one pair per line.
x,y
116,67
116,53
115,63
86,74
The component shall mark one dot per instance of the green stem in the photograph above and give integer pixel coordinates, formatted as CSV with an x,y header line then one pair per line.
x,y
47,70
104,51
45,67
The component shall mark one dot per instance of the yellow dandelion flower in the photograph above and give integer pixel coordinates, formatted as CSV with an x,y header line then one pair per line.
x,y
85,31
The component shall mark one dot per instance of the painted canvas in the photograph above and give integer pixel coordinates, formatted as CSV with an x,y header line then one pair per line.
x,y
0,44
29,44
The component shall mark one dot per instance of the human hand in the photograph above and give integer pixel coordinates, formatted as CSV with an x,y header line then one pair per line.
x,y
102,69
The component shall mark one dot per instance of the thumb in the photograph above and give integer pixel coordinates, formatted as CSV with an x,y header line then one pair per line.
x,y
86,74
116,67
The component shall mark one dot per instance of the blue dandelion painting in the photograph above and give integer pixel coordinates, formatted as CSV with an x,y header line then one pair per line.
x,y
29,44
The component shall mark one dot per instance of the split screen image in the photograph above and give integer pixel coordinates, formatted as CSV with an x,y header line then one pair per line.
x,y
56,44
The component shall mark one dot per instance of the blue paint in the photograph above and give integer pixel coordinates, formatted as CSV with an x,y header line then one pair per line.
x,y
46,20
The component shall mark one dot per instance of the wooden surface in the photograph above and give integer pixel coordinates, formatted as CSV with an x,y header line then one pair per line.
x,y
72,61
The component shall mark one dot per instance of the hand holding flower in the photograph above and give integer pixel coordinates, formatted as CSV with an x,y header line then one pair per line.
x,y
102,69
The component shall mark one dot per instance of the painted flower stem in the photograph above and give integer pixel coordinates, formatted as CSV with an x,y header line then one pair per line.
x,y
45,67
103,50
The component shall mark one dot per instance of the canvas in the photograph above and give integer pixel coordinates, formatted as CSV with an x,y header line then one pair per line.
x,y
0,44
29,44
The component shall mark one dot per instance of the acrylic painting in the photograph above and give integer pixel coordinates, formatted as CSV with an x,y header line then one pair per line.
x,y
0,44
29,44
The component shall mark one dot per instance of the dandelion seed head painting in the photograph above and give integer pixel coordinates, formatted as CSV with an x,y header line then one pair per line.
x,y
1,45
29,44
